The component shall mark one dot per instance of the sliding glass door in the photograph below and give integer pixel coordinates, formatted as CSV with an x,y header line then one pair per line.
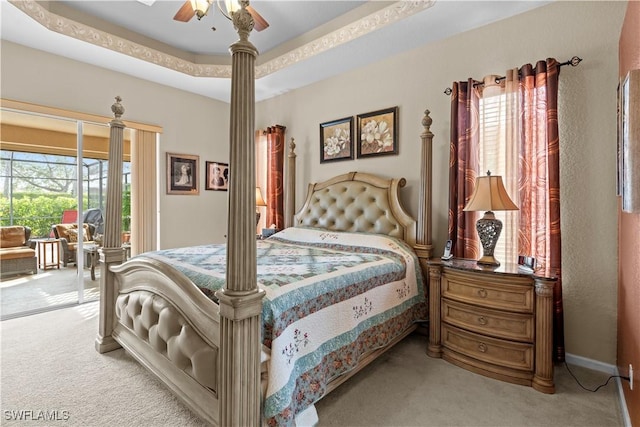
x,y
53,179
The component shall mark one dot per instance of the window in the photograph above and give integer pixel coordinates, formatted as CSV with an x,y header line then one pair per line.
x,y
498,154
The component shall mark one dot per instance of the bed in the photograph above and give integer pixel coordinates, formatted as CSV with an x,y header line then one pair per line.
x,y
244,339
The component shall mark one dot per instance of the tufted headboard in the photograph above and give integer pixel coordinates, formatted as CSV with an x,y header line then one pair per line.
x,y
358,202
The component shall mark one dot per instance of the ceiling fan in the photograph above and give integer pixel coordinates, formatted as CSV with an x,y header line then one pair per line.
x,y
199,8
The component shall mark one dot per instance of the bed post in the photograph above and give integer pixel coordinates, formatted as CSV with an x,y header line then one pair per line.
x,y
290,188
424,247
112,252
241,300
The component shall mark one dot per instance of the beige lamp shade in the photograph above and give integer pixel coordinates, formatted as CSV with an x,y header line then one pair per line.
x,y
259,199
490,195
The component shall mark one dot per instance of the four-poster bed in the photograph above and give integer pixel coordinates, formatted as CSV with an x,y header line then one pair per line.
x,y
232,354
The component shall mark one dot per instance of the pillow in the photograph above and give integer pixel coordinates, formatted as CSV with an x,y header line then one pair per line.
x,y
85,233
73,235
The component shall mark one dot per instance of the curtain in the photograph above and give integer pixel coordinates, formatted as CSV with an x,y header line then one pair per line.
x,y
539,192
463,168
275,176
528,125
144,204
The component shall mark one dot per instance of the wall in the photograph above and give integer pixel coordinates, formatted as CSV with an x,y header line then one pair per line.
x,y
34,76
416,80
629,243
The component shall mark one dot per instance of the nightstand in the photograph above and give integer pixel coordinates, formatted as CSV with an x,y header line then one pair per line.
x,y
493,321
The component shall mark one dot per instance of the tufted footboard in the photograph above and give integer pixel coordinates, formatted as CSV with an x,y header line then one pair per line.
x,y
165,322
156,322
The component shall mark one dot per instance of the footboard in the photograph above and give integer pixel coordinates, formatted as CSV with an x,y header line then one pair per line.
x,y
165,322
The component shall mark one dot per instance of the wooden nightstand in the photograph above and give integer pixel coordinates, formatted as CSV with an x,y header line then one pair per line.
x,y
493,321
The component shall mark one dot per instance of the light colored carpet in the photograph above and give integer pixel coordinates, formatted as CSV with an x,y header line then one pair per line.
x,y
49,363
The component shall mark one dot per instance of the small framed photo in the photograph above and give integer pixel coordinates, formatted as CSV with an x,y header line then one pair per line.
x,y
336,140
217,176
182,174
378,133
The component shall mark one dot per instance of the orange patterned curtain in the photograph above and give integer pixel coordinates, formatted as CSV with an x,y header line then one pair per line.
x,y
463,168
275,176
537,146
539,179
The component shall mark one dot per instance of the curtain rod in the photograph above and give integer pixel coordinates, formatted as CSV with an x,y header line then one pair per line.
x,y
573,62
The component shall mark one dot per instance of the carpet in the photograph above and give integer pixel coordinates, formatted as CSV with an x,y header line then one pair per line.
x,y
51,369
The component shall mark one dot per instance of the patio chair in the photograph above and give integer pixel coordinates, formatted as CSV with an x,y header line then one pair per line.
x,y
68,235
94,216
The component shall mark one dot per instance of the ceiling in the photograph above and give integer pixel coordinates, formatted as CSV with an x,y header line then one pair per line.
x,y
307,41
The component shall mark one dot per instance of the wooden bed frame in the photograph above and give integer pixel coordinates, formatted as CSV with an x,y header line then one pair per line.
x,y
208,354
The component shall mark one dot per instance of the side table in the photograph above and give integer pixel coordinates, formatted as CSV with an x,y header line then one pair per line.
x,y
127,250
493,321
48,253
92,255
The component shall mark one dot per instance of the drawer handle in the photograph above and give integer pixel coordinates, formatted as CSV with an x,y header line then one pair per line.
x,y
482,293
482,320
482,348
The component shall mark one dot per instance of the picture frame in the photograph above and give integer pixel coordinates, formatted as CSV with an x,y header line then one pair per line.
x,y
629,142
619,159
378,133
216,176
336,140
182,174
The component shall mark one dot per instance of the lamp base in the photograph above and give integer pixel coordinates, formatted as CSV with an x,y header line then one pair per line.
x,y
257,218
489,228
488,260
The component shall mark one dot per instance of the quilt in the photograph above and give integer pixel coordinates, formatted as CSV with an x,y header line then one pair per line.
x,y
331,297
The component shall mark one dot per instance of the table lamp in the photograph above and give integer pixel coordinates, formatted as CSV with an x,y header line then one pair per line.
x,y
259,202
489,195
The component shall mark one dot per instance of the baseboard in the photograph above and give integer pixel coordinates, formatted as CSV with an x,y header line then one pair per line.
x,y
606,368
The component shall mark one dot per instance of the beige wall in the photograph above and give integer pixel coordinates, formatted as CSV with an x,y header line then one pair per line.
x,y
413,81
416,80
37,77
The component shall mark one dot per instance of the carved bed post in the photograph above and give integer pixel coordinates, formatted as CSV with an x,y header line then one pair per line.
x,y
424,247
112,252
290,189
241,300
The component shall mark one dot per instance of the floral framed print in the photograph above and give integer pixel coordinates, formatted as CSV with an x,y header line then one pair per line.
x,y
182,174
336,140
217,176
378,133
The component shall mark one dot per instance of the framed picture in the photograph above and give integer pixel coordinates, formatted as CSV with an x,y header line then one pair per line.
x,y
336,140
217,176
619,182
182,174
629,142
378,133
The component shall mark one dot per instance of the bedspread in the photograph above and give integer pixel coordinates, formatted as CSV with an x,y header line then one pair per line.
x,y
331,297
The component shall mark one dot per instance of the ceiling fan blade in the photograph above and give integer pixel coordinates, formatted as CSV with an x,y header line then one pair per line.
x,y
259,22
185,13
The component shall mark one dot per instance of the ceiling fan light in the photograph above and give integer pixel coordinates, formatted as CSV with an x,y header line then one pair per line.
x,y
232,6
201,7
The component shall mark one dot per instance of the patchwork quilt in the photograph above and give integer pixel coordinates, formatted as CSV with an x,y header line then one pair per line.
x,y
331,297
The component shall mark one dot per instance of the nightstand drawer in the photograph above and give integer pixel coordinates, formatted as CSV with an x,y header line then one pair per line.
x,y
490,350
500,324
492,292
